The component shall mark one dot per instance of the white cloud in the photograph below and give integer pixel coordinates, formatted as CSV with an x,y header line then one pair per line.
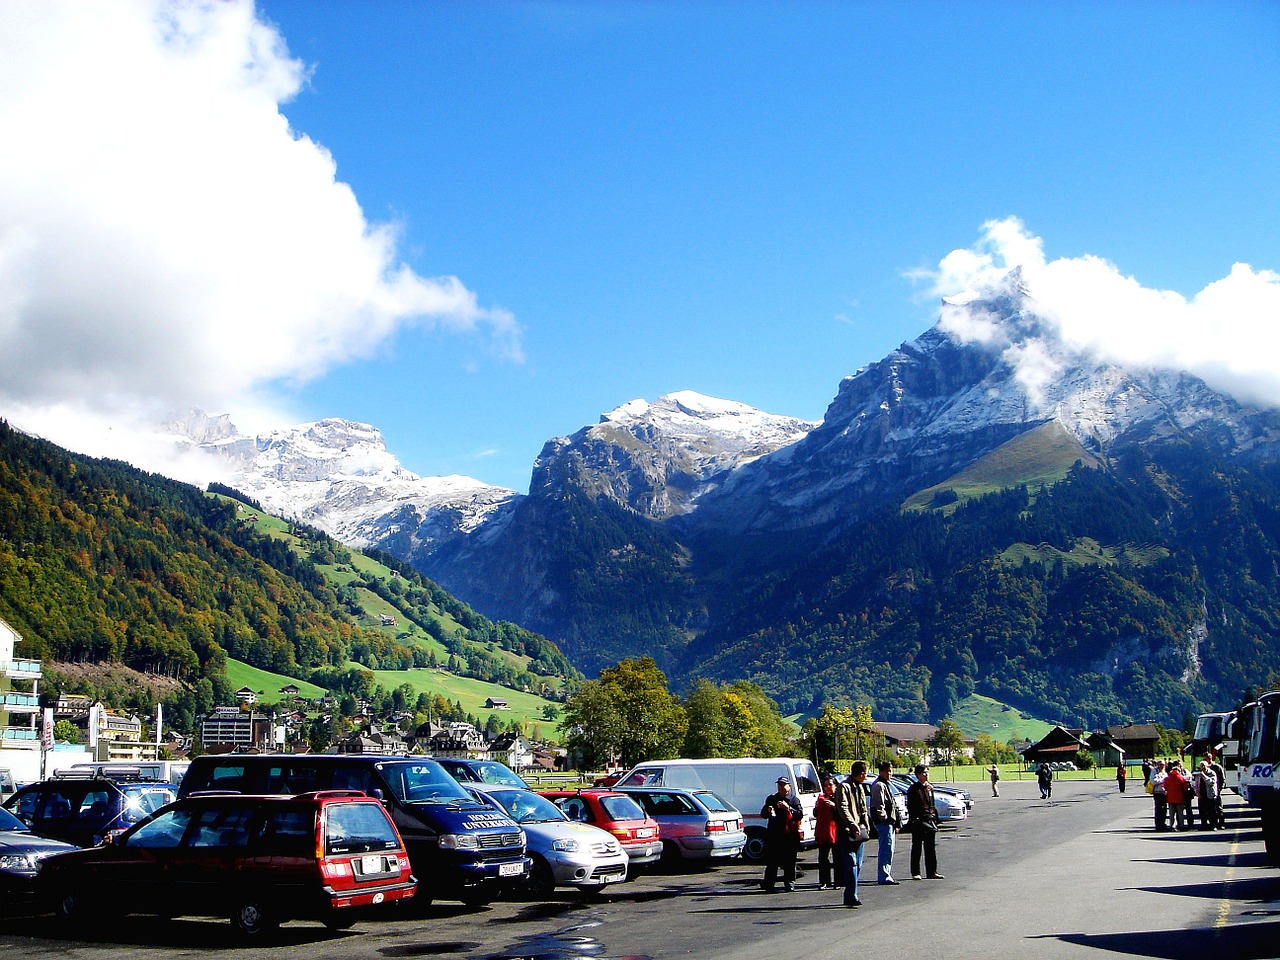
x,y
1228,333
165,238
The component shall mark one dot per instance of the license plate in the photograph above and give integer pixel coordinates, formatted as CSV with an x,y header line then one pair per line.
x,y
645,834
612,877
510,869
372,864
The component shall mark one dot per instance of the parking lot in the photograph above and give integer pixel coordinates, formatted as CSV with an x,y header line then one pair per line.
x,y
1083,875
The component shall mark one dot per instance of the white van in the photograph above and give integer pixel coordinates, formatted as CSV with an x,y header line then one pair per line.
x,y
745,782
162,771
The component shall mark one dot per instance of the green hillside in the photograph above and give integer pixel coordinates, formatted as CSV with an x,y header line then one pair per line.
x,y
977,714
267,684
1040,456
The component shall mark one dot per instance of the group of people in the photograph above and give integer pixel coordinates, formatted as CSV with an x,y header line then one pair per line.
x,y
1175,793
845,814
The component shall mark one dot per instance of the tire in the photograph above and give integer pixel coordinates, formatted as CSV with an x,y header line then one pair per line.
x,y
75,904
541,882
671,857
753,852
252,919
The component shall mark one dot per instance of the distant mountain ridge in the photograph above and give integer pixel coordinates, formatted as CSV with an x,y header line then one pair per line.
x,y
730,543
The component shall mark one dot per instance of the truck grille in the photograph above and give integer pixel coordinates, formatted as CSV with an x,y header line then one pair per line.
x,y
490,840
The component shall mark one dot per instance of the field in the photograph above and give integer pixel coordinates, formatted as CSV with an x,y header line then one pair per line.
x,y
266,684
978,714
472,694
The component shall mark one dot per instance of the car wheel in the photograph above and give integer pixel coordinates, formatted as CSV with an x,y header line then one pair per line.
x,y
340,920
75,904
541,881
252,918
753,852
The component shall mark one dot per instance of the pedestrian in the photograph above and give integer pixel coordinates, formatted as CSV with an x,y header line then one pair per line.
x,y
994,772
1221,776
824,818
1208,796
1156,783
887,819
782,815
1045,777
1177,789
853,829
1146,773
1121,775
922,822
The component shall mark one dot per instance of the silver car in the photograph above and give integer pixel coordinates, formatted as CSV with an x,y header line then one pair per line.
x,y
693,824
564,853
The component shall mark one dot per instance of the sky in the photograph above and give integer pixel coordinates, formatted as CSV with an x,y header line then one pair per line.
x,y
478,226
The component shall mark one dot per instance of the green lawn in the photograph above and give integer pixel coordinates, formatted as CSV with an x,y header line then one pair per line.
x,y
266,684
472,695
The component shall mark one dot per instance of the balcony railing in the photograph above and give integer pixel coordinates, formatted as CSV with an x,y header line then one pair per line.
x,y
19,702
17,669
20,737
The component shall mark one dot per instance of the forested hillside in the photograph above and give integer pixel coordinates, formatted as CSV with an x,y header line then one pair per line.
x,y
102,563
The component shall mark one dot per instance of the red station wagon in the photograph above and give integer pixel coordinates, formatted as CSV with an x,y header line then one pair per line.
x,y
616,813
258,860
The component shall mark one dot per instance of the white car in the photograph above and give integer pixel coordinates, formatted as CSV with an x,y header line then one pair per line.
x,y
564,852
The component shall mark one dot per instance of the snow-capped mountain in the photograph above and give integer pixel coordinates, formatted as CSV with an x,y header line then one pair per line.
x,y
338,475
659,458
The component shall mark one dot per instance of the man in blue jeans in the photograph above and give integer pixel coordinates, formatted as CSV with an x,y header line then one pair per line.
x,y
853,826
887,819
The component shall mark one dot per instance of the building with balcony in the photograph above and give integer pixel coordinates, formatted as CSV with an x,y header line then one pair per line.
x,y
19,694
230,729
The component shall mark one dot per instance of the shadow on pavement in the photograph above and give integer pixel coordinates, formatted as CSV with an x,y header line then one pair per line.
x,y
1256,890
1250,941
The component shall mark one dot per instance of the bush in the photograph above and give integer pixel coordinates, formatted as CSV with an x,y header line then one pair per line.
x,y
1084,760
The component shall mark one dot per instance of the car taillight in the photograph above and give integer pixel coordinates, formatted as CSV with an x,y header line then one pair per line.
x,y
715,826
332,869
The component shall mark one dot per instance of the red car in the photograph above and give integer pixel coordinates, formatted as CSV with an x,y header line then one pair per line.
x,y
615,813
328,856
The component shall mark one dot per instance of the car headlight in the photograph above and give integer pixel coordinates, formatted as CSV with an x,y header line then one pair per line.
x,y
453,841
17,863
565,846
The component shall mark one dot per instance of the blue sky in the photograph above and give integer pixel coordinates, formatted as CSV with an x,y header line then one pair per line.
x,y
748,200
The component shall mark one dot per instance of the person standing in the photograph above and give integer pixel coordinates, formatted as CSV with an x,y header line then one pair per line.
x,y
994,773
782,815
853,828
1209,796
1045,777
1176,791
1146,772
922,821
824,817
1121,775
1158,794
888,820
1220,775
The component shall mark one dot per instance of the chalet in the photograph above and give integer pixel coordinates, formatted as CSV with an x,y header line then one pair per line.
x,y
374,738
246,695
496,703
1106,752
1137,739
513,750
1058,745
290,690
386,620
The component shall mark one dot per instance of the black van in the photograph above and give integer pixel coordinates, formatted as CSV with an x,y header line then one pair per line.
x,y
81,808
460,848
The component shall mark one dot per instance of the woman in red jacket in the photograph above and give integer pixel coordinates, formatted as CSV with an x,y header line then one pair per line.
x,y
824,816
1176,786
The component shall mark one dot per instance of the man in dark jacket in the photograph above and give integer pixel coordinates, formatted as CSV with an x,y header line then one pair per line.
x,y
922,822
782,816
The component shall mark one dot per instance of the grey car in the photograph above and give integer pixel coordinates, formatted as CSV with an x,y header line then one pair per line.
x,y
564,853
693,824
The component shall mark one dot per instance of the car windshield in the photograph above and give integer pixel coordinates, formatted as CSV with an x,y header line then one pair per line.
x,y
424,781
496,773
141,801
9,822
622,808
526,807
713,801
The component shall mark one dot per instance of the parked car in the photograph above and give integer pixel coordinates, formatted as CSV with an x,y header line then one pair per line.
x,y
615,813
949,803
482,771
693,824
743,783
21,853
899,800
258,860
80,807
564,853
460,848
